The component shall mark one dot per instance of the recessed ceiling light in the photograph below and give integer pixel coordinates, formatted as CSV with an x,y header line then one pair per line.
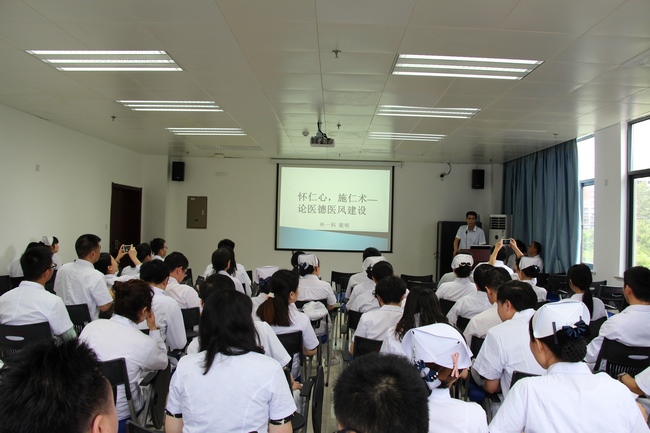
x,y
206,131
464,67
107,61
448,113
405,136
171,105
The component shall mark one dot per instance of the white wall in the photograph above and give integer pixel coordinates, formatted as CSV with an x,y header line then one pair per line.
x,y
241,206
69,195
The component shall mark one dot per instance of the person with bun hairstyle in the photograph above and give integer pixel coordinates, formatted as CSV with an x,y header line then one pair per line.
x,y
462,285
294,260
527,270
119,337
311,288
579,277
569,398
280,312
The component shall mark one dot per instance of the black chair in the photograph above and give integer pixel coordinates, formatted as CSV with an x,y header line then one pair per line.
x,y
131,427
462,322
595,287
352,323
476,344
421,284
199,281
337,279
615,358
5,284
79,316
364,346
344,285
612,297
159,382
188,280
49,286
115,372
13,338
292,343
594,327
301,304
540,303
516,375
15,281
317,400
420,278
250,275
446,305
191,317
557,282
542,280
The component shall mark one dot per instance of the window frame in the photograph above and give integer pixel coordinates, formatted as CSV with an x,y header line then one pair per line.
x,y
583,183
632,176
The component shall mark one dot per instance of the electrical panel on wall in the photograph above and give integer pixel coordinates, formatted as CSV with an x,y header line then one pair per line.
x,y
197,212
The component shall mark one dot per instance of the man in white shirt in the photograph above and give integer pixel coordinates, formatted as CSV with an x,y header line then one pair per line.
x,y
362,277
79,282
506,348
158,248
630,326
221,262
30,303
185,295
471,305
469,234
480,324
373,325
168,314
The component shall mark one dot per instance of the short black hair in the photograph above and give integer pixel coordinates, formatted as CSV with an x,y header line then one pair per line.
x,y
226,243
381,270
638,278
143,251
86,244
131,297
482,276
220,259
214,283
157,244
53,387
537,246
380,393
471,213
103,263
521,295
498,276
390,289
35,261
501,255
176,260
154,271
371,252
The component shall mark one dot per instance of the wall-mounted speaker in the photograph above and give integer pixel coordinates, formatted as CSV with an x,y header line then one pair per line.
x,y
178,171
478,179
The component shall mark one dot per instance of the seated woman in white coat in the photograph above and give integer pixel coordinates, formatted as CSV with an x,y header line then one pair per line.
x,y
462,285
442,357
229,386
527,271
311,288
569,398
579,278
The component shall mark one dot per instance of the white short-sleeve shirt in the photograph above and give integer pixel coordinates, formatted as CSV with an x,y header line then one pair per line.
x,y
131,270
79,282
183,294
355,280
168,318
30,303
467,237
569,399
221,401
238,285
599,307
375,323
310,288
360,289
539,291
299,322
507,349
480,324
449,415
364,302
392,344
469,306
456,289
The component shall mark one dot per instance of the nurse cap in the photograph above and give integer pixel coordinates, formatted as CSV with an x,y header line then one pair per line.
x,y
309,259
555,316
526,262
462,259
264,272
47,241
369,262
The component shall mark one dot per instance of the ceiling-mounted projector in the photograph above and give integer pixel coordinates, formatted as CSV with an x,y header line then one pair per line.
x,y
320,139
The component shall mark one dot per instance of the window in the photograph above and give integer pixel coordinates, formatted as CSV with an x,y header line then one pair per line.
x,y
639,193
586,169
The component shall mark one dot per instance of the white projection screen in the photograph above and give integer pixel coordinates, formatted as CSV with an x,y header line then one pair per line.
x,y
334,208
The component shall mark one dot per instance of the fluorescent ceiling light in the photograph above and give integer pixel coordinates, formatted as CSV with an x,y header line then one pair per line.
x,y
209,106
107,61
464,67
446,113
206,131
405,136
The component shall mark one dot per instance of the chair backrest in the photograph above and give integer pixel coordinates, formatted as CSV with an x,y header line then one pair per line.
x,y
300,304
594,327
317,401
191,317
540,303
476,344
420,278
615,358
344,285
556,282
79,315
49,286
292,342
337,278
115,372
250,274
516,375
595,287
15,281
462,322
13,338
159,396
132,427
353,319
189,280
364,346
5,284
612,295
446,305
417,284
542,280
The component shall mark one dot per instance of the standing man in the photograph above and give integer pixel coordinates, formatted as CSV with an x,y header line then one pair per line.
x,y
469,234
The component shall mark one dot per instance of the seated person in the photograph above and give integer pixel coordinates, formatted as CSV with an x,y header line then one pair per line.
x,y
236,269
262,277
119,337
30,303
451,276
108,266
186,296
471,305
527,271
80,283
310,287
441,356
506,348
143,254
159,248
362,277
497,256
568,398
15,270
480,324
168,313
381,393
52,242
221,260
52,387
579,279
363,297
375,323
630,325
462,285
294,260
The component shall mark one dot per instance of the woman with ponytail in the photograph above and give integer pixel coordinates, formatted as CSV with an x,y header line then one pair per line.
x,y
579,277
569,398
527,270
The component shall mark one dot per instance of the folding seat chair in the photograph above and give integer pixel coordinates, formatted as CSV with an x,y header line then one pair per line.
x,y
594,327
191,318
292,343
595,287
188,280
5,284
419,278
131,427
461,323
615,358
474,392
446,305
364,346
417,284
516,375
337,279
15,337
79,316
352,323
612,297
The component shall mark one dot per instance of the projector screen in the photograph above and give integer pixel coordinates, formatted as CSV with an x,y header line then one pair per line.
x,y
323,208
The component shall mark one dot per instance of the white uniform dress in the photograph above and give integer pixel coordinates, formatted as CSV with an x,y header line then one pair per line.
x,y
363,303
310,288
469,306
119,337
392,344
30,303
355,280
185,295
131,270
480,324
629,327
374,324
569,399
79,282
467,237
360,289
455,290
220,401
507,349
299,322
599,307
168,318
449,415
111,279
539,291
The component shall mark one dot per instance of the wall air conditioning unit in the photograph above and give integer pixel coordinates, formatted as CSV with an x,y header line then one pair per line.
x,y
500,227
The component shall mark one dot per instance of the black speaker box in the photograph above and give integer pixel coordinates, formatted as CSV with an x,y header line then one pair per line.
x,y
478,179
178,171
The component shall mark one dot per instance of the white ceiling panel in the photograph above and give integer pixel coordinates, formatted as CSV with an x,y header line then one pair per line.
x,y
462,13
604,49
630,19
19,11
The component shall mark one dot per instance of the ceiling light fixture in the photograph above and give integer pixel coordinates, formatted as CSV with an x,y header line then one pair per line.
x,y
206,131
107,61
447,113
398,136
209,106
